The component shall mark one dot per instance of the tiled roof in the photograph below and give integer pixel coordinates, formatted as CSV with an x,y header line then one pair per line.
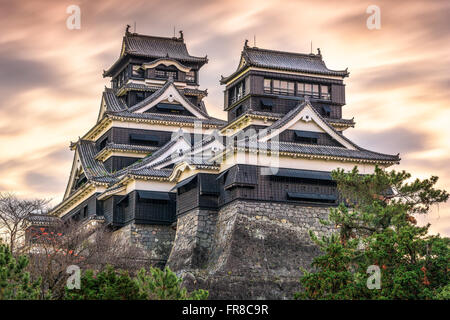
x,y
147,160
42,219
129,147
145,87
159,92
158,47
113,103
150,172
286,61
94,170
155,47
321,150
359,153
151,98
168,117
277,116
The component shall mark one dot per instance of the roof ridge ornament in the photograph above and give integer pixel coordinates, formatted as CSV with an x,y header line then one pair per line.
x,y
181,37
246,43
127,30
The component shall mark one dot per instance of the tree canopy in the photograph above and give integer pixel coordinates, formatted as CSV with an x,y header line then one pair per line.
x,y
375,226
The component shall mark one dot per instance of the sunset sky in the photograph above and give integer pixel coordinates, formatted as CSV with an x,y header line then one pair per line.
x,y
51,77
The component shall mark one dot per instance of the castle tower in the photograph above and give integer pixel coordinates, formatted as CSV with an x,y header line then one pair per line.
x,y
147,115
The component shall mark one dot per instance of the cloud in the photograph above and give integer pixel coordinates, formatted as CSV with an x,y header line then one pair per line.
x,y
393,141
37,181
51,77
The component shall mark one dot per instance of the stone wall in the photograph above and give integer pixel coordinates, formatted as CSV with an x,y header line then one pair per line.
x,y
193,240
255,249
155,240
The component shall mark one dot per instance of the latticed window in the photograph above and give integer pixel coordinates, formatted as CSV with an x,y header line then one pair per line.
x,y
325,92
165,74
267,85
283,87
190,76
237,92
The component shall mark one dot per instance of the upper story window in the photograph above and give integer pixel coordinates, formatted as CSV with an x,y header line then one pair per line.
x,y
279,87
166,73
325,92
283,87
237,92
137,71
313,90
121,78
103,143
267,85
190,76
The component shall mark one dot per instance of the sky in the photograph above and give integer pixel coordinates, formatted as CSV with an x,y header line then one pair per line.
x,y
51,77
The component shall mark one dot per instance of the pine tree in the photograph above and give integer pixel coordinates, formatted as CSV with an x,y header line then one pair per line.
x,y
15,283
164,284
377,227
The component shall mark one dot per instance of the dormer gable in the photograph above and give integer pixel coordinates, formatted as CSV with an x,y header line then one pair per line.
x,y
304,118
168,94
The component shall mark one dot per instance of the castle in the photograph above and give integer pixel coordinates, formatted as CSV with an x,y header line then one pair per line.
x,y
225,204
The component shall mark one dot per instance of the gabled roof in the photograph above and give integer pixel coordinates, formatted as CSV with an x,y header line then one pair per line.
x,y
110,103
93,169
310,114
306,112
146,87
169,118
140,45
119,147
158,155
285,61
321,151
84,159
168,92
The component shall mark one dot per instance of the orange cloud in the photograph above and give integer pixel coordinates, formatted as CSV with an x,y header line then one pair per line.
x,y
51,77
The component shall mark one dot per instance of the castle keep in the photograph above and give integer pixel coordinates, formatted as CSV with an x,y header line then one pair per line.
x,y
225,204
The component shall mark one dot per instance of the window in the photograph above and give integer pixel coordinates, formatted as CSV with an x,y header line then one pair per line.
x,y
267,86
283,87
307,137
312,90
325,92
266,104
300,89
190,76
85,212
102,144
144,139
165,73
236,93
137,71
315,90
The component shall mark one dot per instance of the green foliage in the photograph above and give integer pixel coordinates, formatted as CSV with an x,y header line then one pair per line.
x,y
164,284
377,227
105,285
154,284
15,283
